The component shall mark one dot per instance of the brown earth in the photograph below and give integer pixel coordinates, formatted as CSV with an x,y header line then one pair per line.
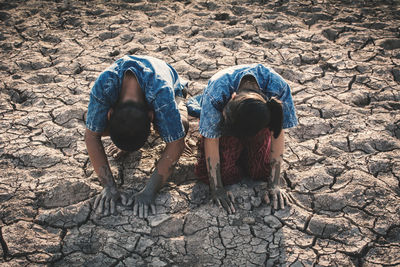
x,y
342,163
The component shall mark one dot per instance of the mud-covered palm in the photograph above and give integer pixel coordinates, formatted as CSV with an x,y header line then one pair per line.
x,y
223,198
142,202
278,197
106,201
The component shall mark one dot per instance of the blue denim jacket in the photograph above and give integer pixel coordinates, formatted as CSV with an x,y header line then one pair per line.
x,y
160,84
209,105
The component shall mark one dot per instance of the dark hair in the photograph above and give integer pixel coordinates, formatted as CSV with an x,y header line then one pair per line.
x,y
129,125
249,112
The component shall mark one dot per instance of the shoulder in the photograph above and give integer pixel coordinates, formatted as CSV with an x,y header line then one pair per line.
x,y
271,83
106,88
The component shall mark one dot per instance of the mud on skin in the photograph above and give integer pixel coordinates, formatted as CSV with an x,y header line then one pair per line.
x,y
341,164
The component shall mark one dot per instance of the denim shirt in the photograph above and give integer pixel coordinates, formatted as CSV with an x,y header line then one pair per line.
x,y
160,84
223,84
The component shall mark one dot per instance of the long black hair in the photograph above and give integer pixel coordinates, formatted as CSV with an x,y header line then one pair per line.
x,y
249,112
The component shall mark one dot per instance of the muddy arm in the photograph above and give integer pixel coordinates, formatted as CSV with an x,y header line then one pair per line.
x,y
106,201
277,149
218,193
275,192
164,167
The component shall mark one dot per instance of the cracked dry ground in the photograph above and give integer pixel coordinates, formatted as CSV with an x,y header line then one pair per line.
x,y
342,162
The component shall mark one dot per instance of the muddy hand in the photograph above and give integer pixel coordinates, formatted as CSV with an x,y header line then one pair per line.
x,y
143,202
224,198
106,201
278,197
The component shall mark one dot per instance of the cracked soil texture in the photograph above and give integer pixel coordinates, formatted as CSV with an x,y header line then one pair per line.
x,y
342,163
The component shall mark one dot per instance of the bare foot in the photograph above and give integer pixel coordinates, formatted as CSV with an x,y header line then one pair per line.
x,y
115,152
187,151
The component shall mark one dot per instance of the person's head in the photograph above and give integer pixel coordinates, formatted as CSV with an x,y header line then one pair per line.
x,y
248,112
129,125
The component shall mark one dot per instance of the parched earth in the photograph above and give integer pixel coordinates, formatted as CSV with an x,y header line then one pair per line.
x,y
342,163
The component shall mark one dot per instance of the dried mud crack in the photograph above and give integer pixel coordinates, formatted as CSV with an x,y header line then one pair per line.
x,y
342,163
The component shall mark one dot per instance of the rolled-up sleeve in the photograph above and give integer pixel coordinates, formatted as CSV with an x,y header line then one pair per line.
x,y
167,117
210,119
289,111
96,118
